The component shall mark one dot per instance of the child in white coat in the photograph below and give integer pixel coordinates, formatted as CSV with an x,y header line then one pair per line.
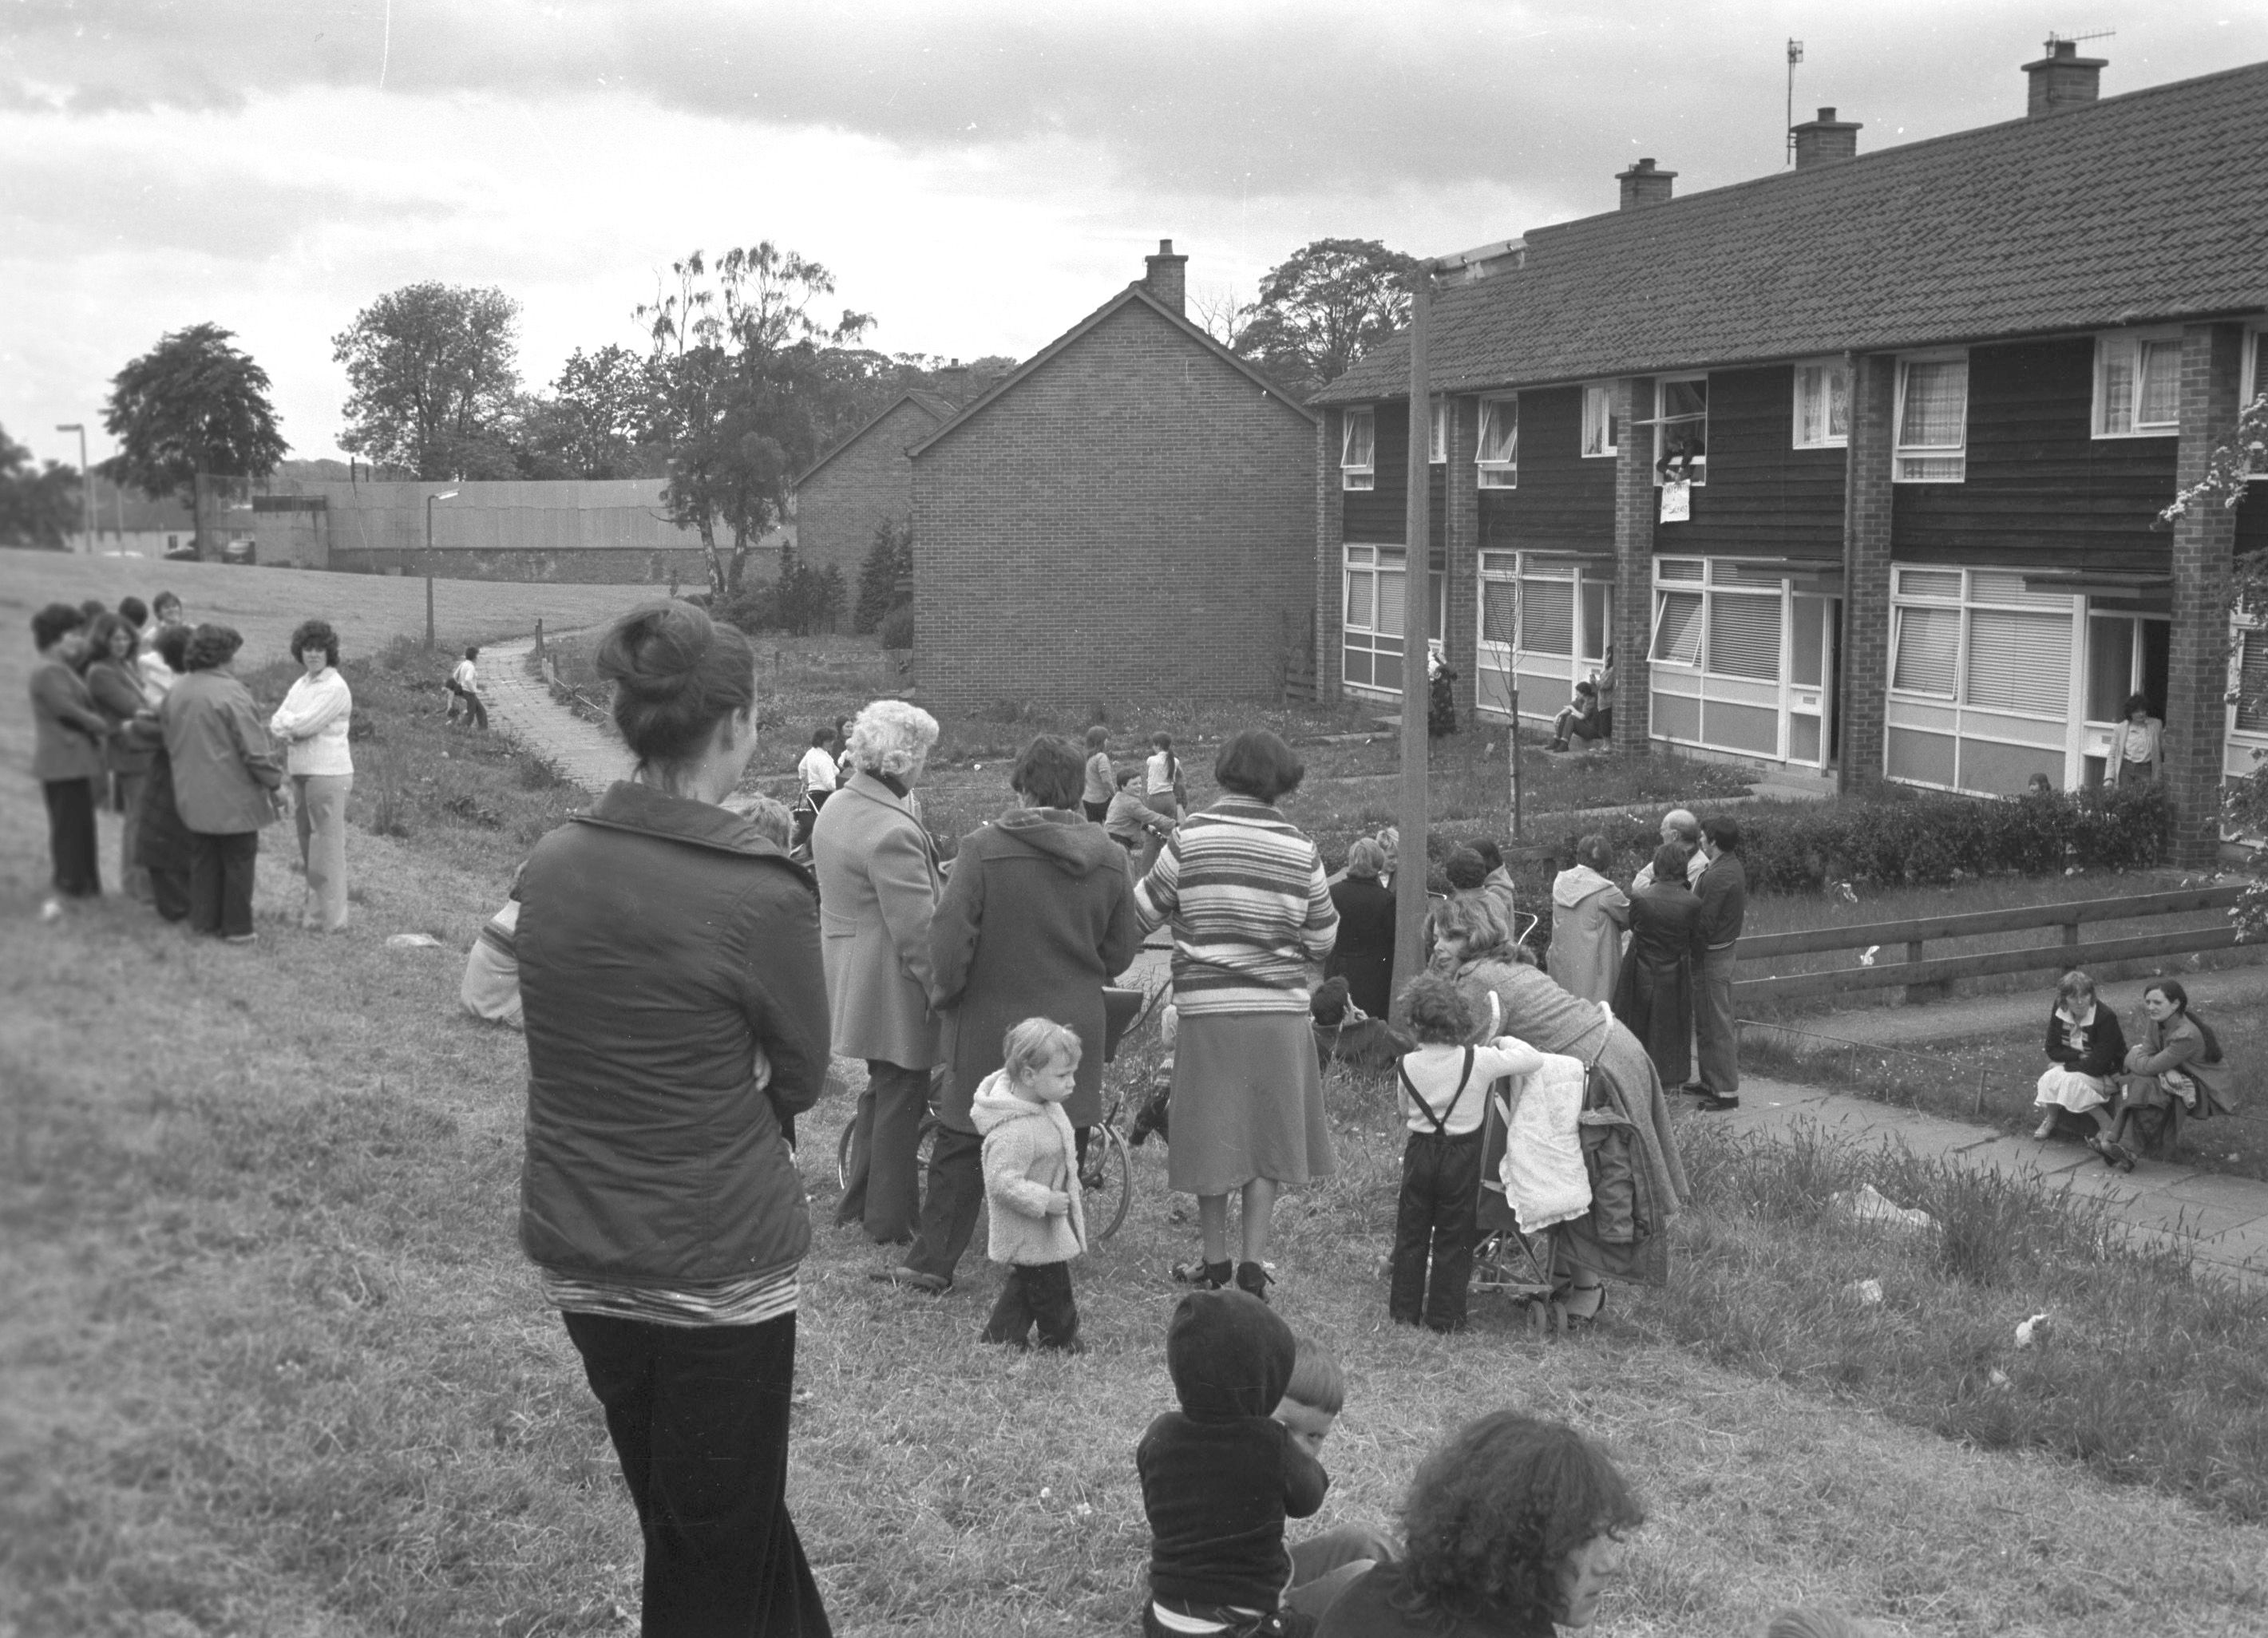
x,y
1031,1182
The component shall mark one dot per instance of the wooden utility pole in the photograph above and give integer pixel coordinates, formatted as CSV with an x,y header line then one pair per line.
x,y
1416,622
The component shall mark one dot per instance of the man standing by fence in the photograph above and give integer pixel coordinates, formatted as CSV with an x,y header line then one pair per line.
x,y
1723,891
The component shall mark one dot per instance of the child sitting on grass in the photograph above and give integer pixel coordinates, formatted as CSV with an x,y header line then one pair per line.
x,y
1220,1475
1444,1101
1327,1563
1031,1182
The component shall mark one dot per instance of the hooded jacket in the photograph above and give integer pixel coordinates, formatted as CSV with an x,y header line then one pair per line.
x,y
662,942
1037,918
1030,1155
1220,1475
1588,913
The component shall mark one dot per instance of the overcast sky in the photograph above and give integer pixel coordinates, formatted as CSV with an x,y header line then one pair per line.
x,y
977,175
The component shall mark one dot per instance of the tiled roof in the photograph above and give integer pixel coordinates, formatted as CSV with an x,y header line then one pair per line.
x,y
2149,206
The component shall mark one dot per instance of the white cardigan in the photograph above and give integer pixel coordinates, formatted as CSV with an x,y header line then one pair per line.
x,y
313,723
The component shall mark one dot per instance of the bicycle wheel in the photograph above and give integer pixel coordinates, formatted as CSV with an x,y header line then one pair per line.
x,y
1107,1180
842,1156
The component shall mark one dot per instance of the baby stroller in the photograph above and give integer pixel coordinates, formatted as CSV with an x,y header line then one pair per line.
x,y
1522,1263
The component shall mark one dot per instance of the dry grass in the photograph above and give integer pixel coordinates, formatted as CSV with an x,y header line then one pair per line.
x,y
274,1364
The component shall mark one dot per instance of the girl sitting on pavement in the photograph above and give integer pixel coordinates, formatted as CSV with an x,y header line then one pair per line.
x,y
2087,1048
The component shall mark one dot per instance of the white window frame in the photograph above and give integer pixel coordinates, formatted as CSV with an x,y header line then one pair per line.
x,y
1827,370
1358,475
1498,474
1957,714
1698,472
2128,346
1377,563
1437,433
1958,453
1496,660
1599,422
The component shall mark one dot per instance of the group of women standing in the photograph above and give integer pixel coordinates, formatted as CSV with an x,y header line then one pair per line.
x,y
159,726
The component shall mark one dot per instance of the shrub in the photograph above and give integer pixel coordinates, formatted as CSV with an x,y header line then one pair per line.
x,y
1441,701
898,627
889,564
803,600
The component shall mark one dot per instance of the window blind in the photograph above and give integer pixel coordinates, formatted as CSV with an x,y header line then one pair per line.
x,y
2018,662
1744,636
1496,608
1547,624
2252,684
1928,644
1677,568
1677,627
1596,616
1929,582
1390,584
1358,588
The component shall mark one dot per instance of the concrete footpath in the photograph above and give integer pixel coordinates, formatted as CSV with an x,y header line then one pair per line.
x,y
520,705
2024,1013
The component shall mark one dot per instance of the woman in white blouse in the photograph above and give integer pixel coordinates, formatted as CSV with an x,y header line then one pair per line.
x,y
2138,746
312,725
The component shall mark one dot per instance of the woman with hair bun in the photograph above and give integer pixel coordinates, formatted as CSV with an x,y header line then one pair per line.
x,y
676,1024
225,776
879,885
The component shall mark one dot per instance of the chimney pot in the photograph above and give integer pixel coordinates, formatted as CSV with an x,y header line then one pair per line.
x,y
1643,185
2062,80
1825,140
1168,279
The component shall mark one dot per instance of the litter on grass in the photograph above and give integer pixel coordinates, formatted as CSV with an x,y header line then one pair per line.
x,y
1868,1293
2032,1330
413,941
1868,1204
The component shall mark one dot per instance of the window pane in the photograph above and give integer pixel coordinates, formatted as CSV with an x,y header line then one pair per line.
x,y
2118,386
1547,617
1359,440
1598,422
1936,402
1677,627
1497,605
1929,641
1929,582
2252,684
1358,588
1596,614
2018,662
1499,430
1809,393
1744,636
1390,604
2109,666
1685,398
1838,401
2162,385
1689,568
1811,641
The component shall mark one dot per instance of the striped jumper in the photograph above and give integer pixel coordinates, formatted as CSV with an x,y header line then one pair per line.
x,y
1245,894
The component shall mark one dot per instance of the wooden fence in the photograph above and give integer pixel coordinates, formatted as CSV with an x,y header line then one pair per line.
x,y
1930,974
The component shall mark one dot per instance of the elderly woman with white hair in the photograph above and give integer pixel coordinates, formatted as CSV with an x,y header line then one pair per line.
x,y
879,884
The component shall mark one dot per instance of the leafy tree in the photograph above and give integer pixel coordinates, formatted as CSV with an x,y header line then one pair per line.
x,y
1323,307
748,380
889,560
191,404
39,505
433,372
595,422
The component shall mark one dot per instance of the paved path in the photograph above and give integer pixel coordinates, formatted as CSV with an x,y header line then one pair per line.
x,y
2221,1221
523,707
2024,1013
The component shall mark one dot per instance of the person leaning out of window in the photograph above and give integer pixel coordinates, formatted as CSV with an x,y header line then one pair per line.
x,y
2138,746
311,726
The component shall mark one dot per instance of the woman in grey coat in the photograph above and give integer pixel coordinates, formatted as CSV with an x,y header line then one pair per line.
x,y
1038,917
225,776
878,883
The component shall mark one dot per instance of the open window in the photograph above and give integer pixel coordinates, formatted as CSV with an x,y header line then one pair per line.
x,y
1681,430
1498,454
1823,405
2138,385
1933,420
1358,449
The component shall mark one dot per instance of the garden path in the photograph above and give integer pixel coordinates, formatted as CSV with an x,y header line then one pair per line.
x,y
2024,1013
521,706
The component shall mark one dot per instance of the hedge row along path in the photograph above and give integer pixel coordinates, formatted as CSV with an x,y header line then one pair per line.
x,y
2221,1221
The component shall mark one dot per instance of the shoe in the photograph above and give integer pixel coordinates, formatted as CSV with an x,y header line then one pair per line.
x,y
2113,1152
1717,1102
1566,1320
912,1280
1254,1278
2044,1130
1204,1276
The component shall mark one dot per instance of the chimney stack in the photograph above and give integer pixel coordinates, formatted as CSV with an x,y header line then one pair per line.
x,y
1168,277
1825,140
1643,185
954,378
2063,78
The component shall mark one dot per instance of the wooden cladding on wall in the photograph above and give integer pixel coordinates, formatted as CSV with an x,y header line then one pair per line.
x,y
1563,503
1763,497
1383,512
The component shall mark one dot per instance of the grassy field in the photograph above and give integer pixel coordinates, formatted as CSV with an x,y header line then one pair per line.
x,y
274,1364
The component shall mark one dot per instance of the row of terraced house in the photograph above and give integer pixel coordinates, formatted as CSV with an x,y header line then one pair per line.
x,y
1859,468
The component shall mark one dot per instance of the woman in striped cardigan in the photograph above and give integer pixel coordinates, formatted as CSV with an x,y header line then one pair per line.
x,y
1252,921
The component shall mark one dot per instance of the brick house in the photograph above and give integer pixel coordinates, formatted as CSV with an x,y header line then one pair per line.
x,y
845,495
1127,515
1859,463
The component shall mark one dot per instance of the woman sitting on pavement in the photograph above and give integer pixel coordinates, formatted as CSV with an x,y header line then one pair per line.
x,y
2087,1048
2163,1084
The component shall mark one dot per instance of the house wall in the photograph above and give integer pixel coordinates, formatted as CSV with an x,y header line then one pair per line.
x,y
1133,520
1381,515
841,506
1564,503
1764,497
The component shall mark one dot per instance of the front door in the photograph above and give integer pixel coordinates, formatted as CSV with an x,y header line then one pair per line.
x,y
1813,708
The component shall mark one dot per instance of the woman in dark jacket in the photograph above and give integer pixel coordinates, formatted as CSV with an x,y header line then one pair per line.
x,y
677,1017
69,734
161,841
1038,917
1654,997
1364,955
115,680
226,772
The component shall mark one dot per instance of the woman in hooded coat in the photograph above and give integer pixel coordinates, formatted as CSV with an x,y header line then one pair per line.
x,y
1588,913
1654,997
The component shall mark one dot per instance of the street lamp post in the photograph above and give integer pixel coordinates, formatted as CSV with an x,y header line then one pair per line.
x,y
85,479
446,494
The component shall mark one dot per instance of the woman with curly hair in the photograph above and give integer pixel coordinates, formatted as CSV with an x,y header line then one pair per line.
x,y
1513,1527
311,726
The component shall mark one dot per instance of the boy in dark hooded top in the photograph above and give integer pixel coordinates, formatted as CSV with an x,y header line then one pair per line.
x,y
1220,1475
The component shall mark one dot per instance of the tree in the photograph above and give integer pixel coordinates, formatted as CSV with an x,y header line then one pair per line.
x,y
433,372
889,563
1321,308
39,505
2226,482
595,422
746,383
191,404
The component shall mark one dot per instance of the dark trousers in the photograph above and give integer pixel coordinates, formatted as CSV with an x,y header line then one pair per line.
x,y
952,1196
71,837
220,882
169,893
1035,1292
1094,810
884,1189
1436,1222
699,1418
1717,1037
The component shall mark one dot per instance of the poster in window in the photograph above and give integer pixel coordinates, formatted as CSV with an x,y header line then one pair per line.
x,y
1677,500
